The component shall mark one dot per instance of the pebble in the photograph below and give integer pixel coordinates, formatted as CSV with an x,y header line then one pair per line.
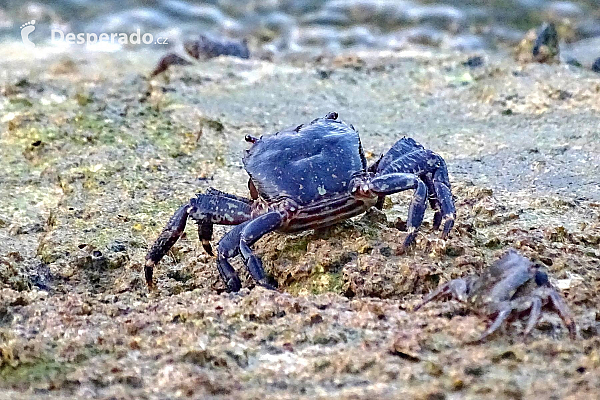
x,y
589,28
318,36
359,35
380,13
117,246
206,47
585,52
327,18
198,12
474,62
558,10
279,25
129,21
466,42
278,22
439,16
423,35
596,65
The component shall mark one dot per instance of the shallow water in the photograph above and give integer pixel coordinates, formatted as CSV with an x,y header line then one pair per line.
x,y
292,26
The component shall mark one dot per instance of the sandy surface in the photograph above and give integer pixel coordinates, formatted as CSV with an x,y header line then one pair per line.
x,y
94,158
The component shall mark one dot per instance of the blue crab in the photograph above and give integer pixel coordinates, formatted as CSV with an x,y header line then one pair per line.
x,y
307,177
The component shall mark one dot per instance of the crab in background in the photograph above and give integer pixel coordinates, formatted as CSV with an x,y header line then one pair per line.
x,y
513,285
203,48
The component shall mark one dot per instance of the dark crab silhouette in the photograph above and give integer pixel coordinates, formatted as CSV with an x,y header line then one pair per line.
x,y
512,285
306,177
204,48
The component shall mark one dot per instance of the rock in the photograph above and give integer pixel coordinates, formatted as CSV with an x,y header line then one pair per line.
x,y
117,246
545,47
465,43
586,51
200,13
438,16
560,10
596,65
588,29
474,62
325,17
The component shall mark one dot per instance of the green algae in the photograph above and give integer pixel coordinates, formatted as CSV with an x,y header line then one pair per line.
x,y
317,283
28,373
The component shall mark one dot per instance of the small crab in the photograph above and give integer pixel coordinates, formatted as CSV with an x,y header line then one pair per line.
x,y
204,48
513,284
307,177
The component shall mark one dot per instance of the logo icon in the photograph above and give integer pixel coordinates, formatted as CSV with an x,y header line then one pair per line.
x,y
26,29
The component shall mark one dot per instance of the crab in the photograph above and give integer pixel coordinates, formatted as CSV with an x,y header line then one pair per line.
x,y
204,48
512,285
307,177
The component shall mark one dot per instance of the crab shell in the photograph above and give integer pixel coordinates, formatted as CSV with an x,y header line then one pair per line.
x,y
306,163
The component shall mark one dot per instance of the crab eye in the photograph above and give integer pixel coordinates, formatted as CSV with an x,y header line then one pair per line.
x,y
541,278
332,115
250,139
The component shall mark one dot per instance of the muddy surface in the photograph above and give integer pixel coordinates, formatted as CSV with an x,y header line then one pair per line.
x,y
94,158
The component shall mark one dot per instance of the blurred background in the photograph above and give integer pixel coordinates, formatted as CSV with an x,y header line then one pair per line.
x,y
286,27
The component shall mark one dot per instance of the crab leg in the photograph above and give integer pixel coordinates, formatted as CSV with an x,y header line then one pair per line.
x,y
250,234
239,240
406,155
457,288
532,303
534,314
167,238
535,303
397,182
500,318
207,209
441,186
503,313
228,247
563,311
205,232
216,207
434,203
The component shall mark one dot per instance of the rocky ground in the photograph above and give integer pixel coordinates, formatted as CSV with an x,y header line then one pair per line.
x,y
95,158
